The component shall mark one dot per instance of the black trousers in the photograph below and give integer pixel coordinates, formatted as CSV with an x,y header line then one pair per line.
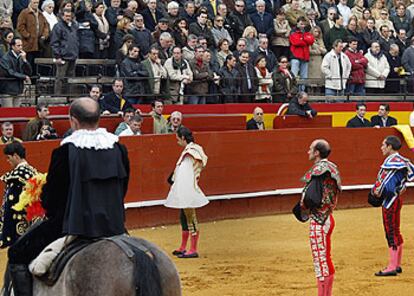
x,y
37,237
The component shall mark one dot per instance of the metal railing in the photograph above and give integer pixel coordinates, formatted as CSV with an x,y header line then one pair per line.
x,y
44,86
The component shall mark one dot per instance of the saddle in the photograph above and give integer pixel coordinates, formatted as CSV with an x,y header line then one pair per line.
x,y
59,263
140,255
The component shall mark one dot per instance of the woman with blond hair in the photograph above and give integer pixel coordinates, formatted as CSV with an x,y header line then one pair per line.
x,y
376,10
317,51
122,28
358,9
250,34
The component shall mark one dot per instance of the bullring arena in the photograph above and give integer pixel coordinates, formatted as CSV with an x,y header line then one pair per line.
x,y
250,243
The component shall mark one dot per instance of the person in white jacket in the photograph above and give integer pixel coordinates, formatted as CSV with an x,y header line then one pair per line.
x,y
179,73
377,70
185,194
336,67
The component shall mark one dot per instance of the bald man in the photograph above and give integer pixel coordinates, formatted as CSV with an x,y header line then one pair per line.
x,y
89,172
256,123
319,198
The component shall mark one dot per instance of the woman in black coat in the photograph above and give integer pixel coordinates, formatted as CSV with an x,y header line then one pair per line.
x,y
87,28
284,82
180,32
229,86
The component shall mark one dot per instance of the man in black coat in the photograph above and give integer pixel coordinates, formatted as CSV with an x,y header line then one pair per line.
x,y
16,70
83,195
382,119
114,102
113,14
152,15
64,42
262,20
247,78
131,67
239,19
142,35
359,120
200,28
256,123
299,106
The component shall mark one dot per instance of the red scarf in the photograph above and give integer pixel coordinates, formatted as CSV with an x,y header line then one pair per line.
x,y
199,63
263,72
285,72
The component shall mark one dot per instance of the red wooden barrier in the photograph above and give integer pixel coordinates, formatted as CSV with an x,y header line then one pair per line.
x,y
293,121
220,122
240,161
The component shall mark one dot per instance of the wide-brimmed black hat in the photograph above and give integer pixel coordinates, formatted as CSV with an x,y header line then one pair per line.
x,y
297,211
375,201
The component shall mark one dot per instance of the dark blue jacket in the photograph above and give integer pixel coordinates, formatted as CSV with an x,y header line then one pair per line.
x,y
263,25
64,41
15,69
149,21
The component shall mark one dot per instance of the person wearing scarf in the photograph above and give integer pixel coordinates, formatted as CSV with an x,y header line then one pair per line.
x,y
103,30
377,70
284,82
47,10
179,73
263,94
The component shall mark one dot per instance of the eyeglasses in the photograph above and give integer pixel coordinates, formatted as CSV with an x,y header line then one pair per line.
x,y
238,5
284,62
384,13
259,113
219,21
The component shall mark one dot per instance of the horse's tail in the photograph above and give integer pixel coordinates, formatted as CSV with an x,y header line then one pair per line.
x,y
146,274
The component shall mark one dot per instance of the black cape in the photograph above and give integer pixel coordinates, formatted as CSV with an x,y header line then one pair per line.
x,y
98,185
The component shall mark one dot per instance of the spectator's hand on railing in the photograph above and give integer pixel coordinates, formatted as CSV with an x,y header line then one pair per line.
x,y
138,112
309,113
28,80
120,113
106,112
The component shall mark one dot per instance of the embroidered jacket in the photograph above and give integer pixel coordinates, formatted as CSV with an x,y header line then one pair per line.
x,y
13,223
331,186
394,173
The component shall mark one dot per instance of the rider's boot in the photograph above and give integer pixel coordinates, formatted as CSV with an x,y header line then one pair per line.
x,y
21,279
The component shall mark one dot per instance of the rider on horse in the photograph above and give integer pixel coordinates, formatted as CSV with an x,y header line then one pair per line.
x,y
84,193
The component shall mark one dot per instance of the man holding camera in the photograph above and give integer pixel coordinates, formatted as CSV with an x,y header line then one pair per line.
x,y
34,125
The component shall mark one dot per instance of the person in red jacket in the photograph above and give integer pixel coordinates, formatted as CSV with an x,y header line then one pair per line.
x,y
300,42
356,83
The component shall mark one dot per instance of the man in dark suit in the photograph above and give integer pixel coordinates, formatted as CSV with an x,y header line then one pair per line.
x,y
256,123
382,119
114,102
15,67
359,120
262,20
151,15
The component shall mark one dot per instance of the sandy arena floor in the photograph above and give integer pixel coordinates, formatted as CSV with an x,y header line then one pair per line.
x,y
271,256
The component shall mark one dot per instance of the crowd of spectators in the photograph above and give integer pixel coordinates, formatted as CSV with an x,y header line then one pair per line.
x,y
212,51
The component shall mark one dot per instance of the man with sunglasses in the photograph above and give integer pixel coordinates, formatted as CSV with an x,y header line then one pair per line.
x,y
257,122
239,19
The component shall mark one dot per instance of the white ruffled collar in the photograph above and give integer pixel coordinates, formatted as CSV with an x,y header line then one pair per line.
x,y
98,139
